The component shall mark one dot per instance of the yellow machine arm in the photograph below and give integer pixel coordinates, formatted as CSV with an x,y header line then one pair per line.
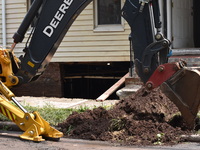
x,y
33,125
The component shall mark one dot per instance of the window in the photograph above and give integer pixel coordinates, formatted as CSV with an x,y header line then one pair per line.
x,y
108,15
109,12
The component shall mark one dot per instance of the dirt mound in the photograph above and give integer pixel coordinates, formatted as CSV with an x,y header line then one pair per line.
x,y
145,118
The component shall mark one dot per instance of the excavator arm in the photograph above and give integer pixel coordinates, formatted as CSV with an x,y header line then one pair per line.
x,y
151,51
53,19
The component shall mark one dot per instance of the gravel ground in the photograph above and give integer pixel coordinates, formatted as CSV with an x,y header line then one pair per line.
x,y
63,102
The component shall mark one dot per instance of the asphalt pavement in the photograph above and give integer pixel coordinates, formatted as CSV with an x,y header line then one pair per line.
x,y
10,141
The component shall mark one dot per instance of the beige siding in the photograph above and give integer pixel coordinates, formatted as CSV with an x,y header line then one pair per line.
x,y
81,44
15,12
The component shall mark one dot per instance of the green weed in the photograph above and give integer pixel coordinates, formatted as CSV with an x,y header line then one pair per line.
x,y
117,124
159,139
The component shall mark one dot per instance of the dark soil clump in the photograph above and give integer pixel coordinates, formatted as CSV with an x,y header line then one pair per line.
x,y
145,118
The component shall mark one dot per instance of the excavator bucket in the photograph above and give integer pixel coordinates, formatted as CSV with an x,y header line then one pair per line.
x,y
183,88
181,85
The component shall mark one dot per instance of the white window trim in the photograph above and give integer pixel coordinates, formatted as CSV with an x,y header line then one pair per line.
x,y
107,28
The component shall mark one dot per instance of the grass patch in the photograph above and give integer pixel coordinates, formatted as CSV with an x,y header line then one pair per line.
x,y
50,113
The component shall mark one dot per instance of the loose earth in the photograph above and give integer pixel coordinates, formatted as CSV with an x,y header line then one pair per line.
x,y
144,118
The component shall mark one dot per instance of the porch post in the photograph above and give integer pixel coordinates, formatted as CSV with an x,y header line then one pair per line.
x,y
162,14
169,19
4,23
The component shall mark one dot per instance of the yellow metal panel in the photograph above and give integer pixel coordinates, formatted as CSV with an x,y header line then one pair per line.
x,y
9,115
31,64
3,111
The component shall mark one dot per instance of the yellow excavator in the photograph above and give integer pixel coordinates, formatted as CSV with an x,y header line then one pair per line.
x,y
52,19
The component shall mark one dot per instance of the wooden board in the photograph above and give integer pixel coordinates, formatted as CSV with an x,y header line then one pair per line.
x,y
112,89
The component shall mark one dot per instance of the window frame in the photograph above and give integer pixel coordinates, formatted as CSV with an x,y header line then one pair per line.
x,y
106,27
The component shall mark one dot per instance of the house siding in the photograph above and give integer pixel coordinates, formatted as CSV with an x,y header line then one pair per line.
x,y
81,43
1,34
15,11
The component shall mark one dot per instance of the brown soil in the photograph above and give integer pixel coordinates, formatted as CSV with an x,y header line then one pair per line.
x,y
145,118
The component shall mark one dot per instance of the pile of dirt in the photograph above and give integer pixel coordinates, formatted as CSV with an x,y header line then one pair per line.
x,y
145,118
